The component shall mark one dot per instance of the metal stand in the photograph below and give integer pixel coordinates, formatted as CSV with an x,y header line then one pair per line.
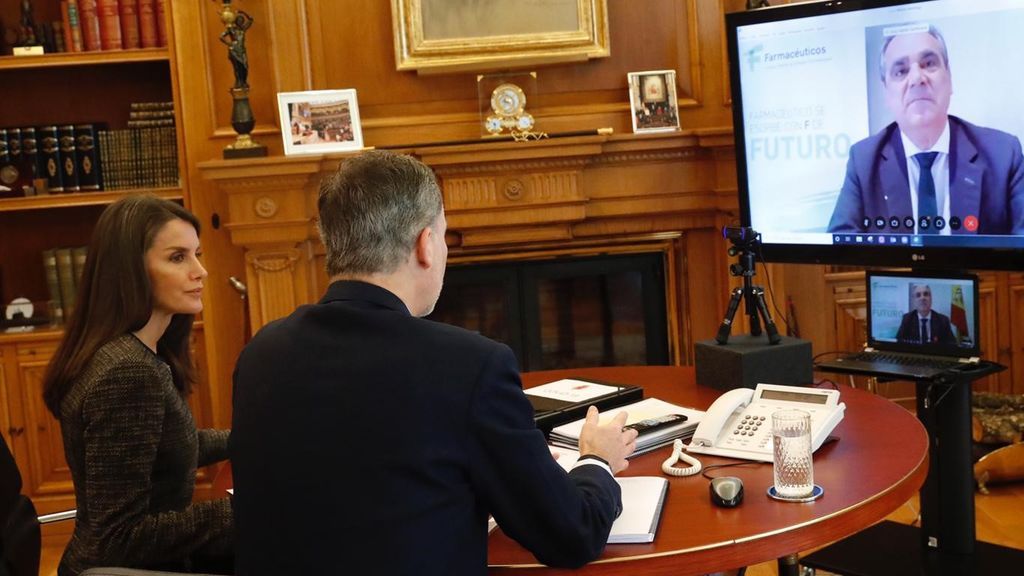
x,y
753,295
945,543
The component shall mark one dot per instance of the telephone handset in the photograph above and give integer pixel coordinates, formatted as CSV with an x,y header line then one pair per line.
x,y
739,423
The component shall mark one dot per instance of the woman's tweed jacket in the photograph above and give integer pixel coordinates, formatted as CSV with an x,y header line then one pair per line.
x,y
133,449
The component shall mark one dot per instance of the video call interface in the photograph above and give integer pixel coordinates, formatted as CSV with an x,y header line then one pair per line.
x,y
828,103
897,304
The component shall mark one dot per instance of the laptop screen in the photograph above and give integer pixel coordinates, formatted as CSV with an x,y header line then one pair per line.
x,y
923,313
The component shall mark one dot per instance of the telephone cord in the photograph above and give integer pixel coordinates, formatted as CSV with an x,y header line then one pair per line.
x,y
668,466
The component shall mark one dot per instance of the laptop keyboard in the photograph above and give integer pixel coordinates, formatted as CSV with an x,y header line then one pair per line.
x,y
905,360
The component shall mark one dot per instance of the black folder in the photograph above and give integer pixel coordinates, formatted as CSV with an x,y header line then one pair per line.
x,y
550,412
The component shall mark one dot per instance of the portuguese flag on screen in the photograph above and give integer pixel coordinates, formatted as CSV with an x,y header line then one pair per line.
x,y
958,314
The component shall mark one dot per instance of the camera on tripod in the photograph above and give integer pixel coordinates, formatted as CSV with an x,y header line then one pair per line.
x,y
744,239
740,235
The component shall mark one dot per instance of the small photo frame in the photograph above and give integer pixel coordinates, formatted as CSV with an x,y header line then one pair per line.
x,y
652,99
319,121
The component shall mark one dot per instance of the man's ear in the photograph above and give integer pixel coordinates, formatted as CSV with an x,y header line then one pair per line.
x,y
425,255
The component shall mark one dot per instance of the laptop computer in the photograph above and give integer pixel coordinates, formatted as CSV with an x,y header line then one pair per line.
x,y
919,326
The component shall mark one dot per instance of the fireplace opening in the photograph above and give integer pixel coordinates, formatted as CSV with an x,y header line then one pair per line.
x,y
566,312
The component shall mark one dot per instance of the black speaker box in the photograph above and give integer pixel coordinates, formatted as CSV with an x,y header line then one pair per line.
x,y
746,361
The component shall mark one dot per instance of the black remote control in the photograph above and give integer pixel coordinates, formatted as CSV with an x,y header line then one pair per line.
x,y
652,424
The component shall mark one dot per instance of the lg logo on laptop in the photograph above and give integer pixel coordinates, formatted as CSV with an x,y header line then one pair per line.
x,y
917,257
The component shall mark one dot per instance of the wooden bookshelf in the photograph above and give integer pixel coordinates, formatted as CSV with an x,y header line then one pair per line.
x,y
68,59
82,199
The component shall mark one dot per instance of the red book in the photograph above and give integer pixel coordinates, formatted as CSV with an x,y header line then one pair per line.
x,y
69,44
147,24
110,24
90,21
129,10
161,23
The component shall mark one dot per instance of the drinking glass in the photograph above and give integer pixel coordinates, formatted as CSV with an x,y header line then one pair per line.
x,y
791,437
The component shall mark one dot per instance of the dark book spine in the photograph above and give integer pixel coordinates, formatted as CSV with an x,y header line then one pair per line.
x,y
66,280
30,151
50,159
53,285
8,171
68,157
87,156
78,257
14,144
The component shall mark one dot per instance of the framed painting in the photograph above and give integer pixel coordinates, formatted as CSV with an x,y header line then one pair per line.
x,y
484,35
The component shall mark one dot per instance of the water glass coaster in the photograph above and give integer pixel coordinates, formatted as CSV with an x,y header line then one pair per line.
x,y
814,495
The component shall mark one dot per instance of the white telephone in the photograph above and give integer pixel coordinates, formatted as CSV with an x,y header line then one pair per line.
x,y
739,423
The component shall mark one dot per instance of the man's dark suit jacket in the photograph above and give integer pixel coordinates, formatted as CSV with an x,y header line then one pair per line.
x,y
986,179
939,326
368,441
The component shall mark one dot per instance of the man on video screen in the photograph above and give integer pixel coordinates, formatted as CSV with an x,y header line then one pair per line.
x,y
922,325
931,172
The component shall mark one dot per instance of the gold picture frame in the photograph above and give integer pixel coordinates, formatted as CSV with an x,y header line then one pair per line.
x,y
484,35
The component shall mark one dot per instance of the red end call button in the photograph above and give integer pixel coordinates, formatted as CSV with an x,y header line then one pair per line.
x,y
971,223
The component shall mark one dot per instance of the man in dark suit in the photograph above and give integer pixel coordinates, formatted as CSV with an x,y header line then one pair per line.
x,y
922,325
367,440
931,172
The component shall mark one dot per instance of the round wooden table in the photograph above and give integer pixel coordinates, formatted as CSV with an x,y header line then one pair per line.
x,y
878,463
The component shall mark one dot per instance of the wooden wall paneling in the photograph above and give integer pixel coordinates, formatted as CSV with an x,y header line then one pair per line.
x,y
270,216
848,318
264,45
1015,319
992,346
405,108
204,76
48,473
804,284
6,367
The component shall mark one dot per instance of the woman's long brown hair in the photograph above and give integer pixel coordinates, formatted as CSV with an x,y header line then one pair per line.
x,y
115,297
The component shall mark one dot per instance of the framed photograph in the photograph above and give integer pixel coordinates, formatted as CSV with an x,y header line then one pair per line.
x,y
319,121
652,98
486,35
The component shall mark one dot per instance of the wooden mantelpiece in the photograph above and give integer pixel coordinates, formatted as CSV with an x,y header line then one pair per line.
x,y
503,195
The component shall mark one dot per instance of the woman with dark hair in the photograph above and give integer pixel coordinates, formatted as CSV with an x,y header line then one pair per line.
x,y
118,385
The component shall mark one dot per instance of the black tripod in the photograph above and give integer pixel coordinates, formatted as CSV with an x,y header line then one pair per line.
x,y
744,240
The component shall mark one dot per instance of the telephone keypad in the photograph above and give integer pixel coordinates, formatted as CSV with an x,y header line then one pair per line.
x,y
750,432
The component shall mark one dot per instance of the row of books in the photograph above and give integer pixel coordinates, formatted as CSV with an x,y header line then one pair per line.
x,y
88,157
139,158
91,25
63,267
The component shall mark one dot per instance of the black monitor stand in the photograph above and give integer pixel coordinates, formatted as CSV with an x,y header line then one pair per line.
x,y
945,544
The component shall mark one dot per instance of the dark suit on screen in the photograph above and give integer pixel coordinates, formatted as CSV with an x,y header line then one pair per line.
x,y
986,179
369,441
938,325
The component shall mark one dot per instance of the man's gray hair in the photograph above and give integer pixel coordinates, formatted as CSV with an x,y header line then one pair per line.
x,y
931,30
372,209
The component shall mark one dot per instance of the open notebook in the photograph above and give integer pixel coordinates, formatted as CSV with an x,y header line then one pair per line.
x,y
919,325
642,500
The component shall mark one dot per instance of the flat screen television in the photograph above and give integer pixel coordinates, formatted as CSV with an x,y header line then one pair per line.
x,y
831,98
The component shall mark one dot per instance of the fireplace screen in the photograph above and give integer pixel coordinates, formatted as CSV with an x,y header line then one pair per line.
x,y
564,312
